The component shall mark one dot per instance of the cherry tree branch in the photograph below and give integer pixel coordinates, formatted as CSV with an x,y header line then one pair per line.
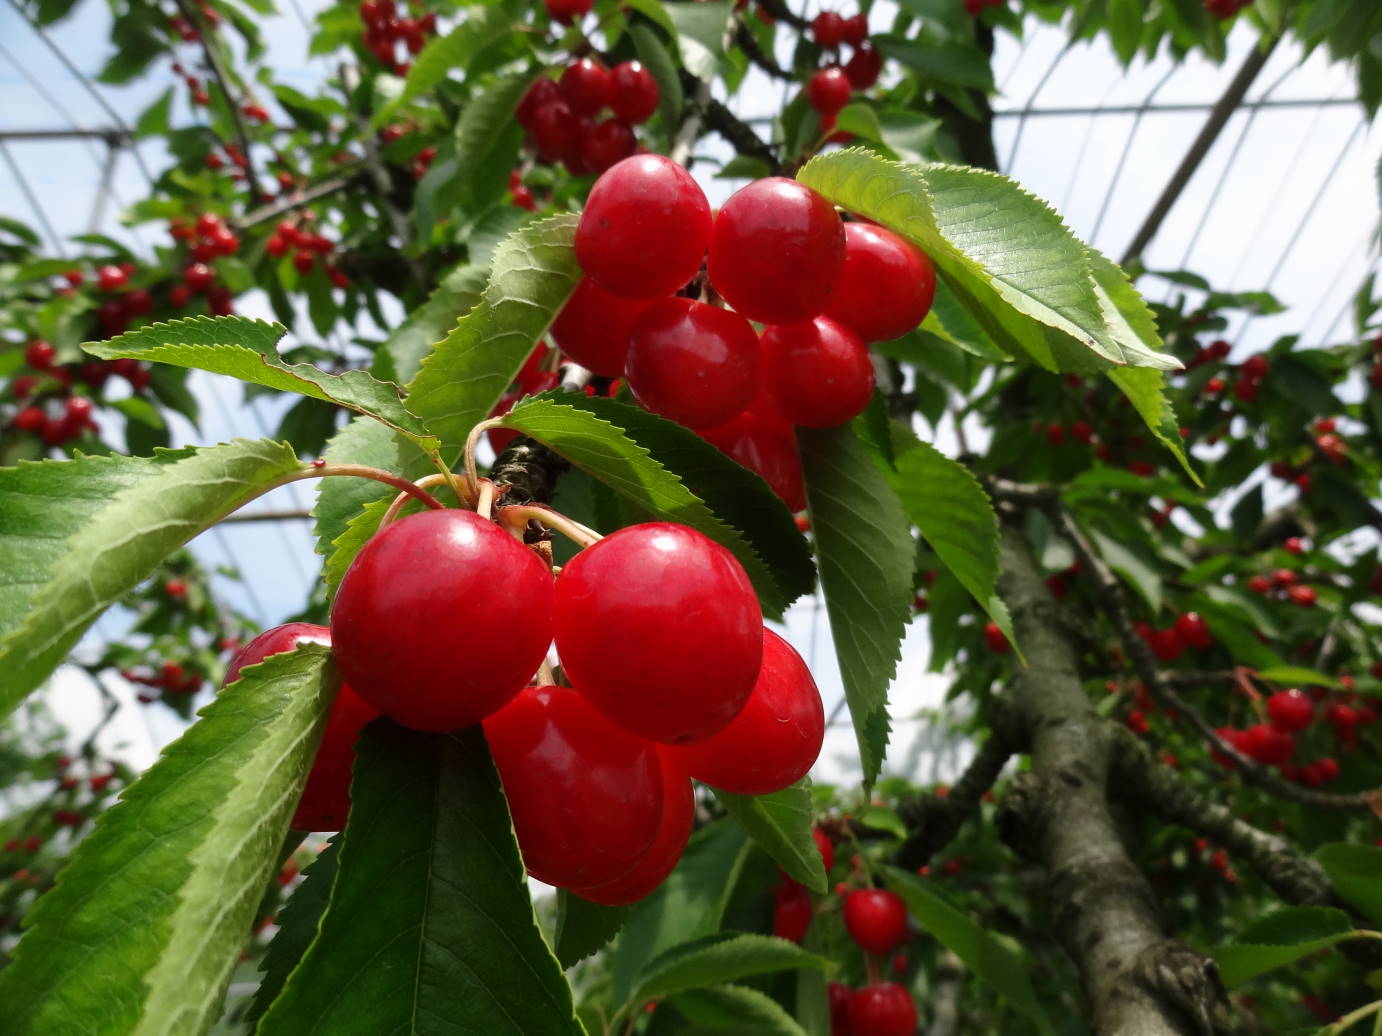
x,y
720,119
223,81
748,43
301,199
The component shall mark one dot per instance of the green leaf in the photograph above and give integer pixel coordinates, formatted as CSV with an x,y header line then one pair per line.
x,y
654,55
399,358
1003,968
147,919
245,349
340,499
604,452
781,825
1296,674
865,554
531,275
1280,938
953,63
718,958
430,923
735,494
297,927
584,927
1139,575
955,516
1125,28
880,818
77,535
153,121
738,1009
701,34
478,29
487,139
1353,871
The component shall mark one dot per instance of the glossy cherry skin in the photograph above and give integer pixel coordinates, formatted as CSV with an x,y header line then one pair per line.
x,y
776,251
652,868
542,93
644,229
659,627
634,95
586,86
1269,744
886,286
593,328
818,372
792,910
883,1010
441,619
1290,710
1193,630
607,143
556,131
876,919
325,800
775,738
567,11
766,446
828,29
826,846
864,67
841,996
586,797
828,90
692,363
856,29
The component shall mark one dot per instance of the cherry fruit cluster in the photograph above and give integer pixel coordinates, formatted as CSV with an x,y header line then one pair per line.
x,y
386,27
830,88
562,117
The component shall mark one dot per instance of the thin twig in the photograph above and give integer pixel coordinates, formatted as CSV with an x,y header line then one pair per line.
x,y
223,80
300,199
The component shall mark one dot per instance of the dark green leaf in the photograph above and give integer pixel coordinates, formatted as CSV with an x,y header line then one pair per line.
x,y
584,927
478,28
720,958
402,353
737,1009
1356,874
781,825
297,927
1278,939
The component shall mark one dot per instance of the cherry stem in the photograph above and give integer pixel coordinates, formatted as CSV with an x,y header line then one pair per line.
x,y
394,508
545,677
516,516
871,968
450,477
320,470
472,476
484,502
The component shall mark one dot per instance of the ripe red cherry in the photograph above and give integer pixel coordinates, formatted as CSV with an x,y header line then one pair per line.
x,y
876,919
303,261
776,251
593,328
1166,644
817,372
30,419
1294,545
886,285
994,639
441,619
652,868
586,797
1193,630
198,277
326,796
864,67
1256,367
40,355
567,11
882,1010
659,627
538,96
74,278
841,996
826,846
1259,584
1290,710
765,445
634,93
828,29
556,132
856,29
644,229
138,302
774,739
1269,745
111,278
691,362
1304,596
792,910
828,90
586,86
607,143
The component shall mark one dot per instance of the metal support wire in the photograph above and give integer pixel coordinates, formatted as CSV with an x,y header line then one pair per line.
x,y
1028,108
32,199
1350,257
1127,149
1084,148
103,190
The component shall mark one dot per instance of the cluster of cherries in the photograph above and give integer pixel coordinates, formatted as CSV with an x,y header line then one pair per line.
x,y
443,619
1285,584
51,410
1225,9
830,88
1272,743
386,28
1188,631
307,246
779,254
563,121
974,8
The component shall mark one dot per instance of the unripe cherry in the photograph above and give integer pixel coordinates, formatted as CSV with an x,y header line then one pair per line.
x,y
693,363
886,285
775,738
817,372
659,627
586,796
442,618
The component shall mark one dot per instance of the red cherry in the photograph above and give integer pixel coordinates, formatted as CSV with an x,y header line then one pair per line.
x,y
765,445
1193,630
175,588
111,278
419,622
829,90
593,328
652,868
1259,584
225,241
659,627
1256,367
1283,577
538,96
634,93
586,797
826,846
567,11
883,1010
691,362
1293,545
1304,596
876,919
523,197
30,419
775,738
1328,769
179,296
1269,745
586,86
995,640
828,29
864,67
74,278
817,372
1245,390
138,302
792,911
886,284
1290,710
556,131
198,277
40,355
856,29
23,386
644,229
1166,644
841,996
607,143
208,223
776,251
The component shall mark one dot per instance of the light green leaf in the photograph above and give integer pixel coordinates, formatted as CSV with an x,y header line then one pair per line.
x,y
147,919
604,452
77,535
861,120
865,554
340,499
244,348
737,1009
1003,968
880,818
584,927
153,121
781,824
478,29
1354,872
701,34
1280,938
531,275
718,958
1139,575
954,514
1295,674
430,925
400,356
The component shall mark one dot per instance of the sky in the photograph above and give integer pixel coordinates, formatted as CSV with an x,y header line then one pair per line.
x,y
1285,201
